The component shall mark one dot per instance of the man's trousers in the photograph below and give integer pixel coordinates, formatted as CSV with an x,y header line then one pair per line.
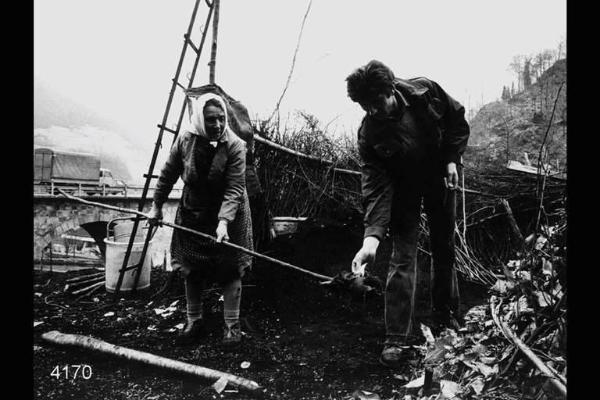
x,y
439,204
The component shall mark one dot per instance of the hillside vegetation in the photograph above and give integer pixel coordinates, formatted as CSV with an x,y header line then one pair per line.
x,y
507,129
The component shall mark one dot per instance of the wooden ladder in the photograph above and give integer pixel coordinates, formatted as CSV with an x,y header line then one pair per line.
x,y
212,13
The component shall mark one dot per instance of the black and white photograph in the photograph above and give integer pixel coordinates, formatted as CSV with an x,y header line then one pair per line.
x,y
301,199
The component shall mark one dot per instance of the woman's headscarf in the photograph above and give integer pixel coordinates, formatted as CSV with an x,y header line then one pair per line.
x,y
196,114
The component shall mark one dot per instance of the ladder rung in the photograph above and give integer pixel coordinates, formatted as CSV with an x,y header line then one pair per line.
x,y
151,176
179,84
131,267
189,41
174,132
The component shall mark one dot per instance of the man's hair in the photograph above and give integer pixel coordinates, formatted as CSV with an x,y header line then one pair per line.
x,y
370,80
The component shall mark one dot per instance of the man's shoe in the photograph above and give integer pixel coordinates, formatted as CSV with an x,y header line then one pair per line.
x,y
232,334
391,356
191,333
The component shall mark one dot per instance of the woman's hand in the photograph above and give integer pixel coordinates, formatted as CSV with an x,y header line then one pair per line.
x,y
222,234
155,215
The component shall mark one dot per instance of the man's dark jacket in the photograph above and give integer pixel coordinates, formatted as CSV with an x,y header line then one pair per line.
x,y
390,162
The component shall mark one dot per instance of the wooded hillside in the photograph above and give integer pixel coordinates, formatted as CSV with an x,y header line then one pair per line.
x,y
517,124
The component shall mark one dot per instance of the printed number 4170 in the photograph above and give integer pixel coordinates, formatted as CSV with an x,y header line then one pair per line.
x,y
72,371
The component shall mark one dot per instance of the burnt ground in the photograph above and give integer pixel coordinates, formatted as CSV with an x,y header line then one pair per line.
x,y
303,340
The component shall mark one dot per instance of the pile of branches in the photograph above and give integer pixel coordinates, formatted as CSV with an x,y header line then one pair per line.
x,y
298,186
497,206
515,346
529,307
504,207
85,285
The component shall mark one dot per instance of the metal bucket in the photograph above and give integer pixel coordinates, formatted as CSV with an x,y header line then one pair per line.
x,y
286,225
116,247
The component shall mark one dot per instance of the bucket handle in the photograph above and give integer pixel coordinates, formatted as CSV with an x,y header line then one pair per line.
x,y
112,221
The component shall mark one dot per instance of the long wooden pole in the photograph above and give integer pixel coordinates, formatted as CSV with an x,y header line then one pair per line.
x,y
279,147
204,235
90,343
213,50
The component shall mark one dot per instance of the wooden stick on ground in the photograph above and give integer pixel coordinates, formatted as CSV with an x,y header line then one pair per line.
x,y
85,289
85,277
90,343
89,293
513,223
526,350
71,286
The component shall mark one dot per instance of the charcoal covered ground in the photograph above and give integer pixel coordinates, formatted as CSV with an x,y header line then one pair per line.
x,y
303,340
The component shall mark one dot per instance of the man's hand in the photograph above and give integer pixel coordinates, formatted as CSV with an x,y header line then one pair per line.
x,y
366,253
451,178
155,215
222,234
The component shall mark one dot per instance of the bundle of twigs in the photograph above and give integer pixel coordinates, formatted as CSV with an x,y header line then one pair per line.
x,y
302,186
487,236
488,222
466,262
529,308
85,285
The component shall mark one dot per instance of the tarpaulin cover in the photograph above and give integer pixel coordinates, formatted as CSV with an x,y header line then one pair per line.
x,y
65,166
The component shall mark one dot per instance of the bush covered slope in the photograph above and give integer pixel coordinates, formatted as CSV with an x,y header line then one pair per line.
x,y
519,124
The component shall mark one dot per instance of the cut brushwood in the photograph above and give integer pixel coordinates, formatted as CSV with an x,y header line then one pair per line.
x,y
77,285
513,223
90,343
90,287
543,368
89,292
85,277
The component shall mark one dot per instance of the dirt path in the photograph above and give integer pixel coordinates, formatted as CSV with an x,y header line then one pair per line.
x,y
303,341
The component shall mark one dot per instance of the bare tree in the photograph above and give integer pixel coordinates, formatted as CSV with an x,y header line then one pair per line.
x,y
527,74
517,66
537,66
561,49
548,56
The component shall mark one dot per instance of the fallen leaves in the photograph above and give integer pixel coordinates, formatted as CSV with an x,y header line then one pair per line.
x,y
220,384
168,311
245,365
415,383
365,395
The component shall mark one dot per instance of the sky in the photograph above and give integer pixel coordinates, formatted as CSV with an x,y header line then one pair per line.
x,y
117,57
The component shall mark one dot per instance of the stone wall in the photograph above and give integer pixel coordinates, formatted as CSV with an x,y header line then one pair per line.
x,y
55,216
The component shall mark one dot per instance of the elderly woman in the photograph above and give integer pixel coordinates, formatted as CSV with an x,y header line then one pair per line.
x,y
210,159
